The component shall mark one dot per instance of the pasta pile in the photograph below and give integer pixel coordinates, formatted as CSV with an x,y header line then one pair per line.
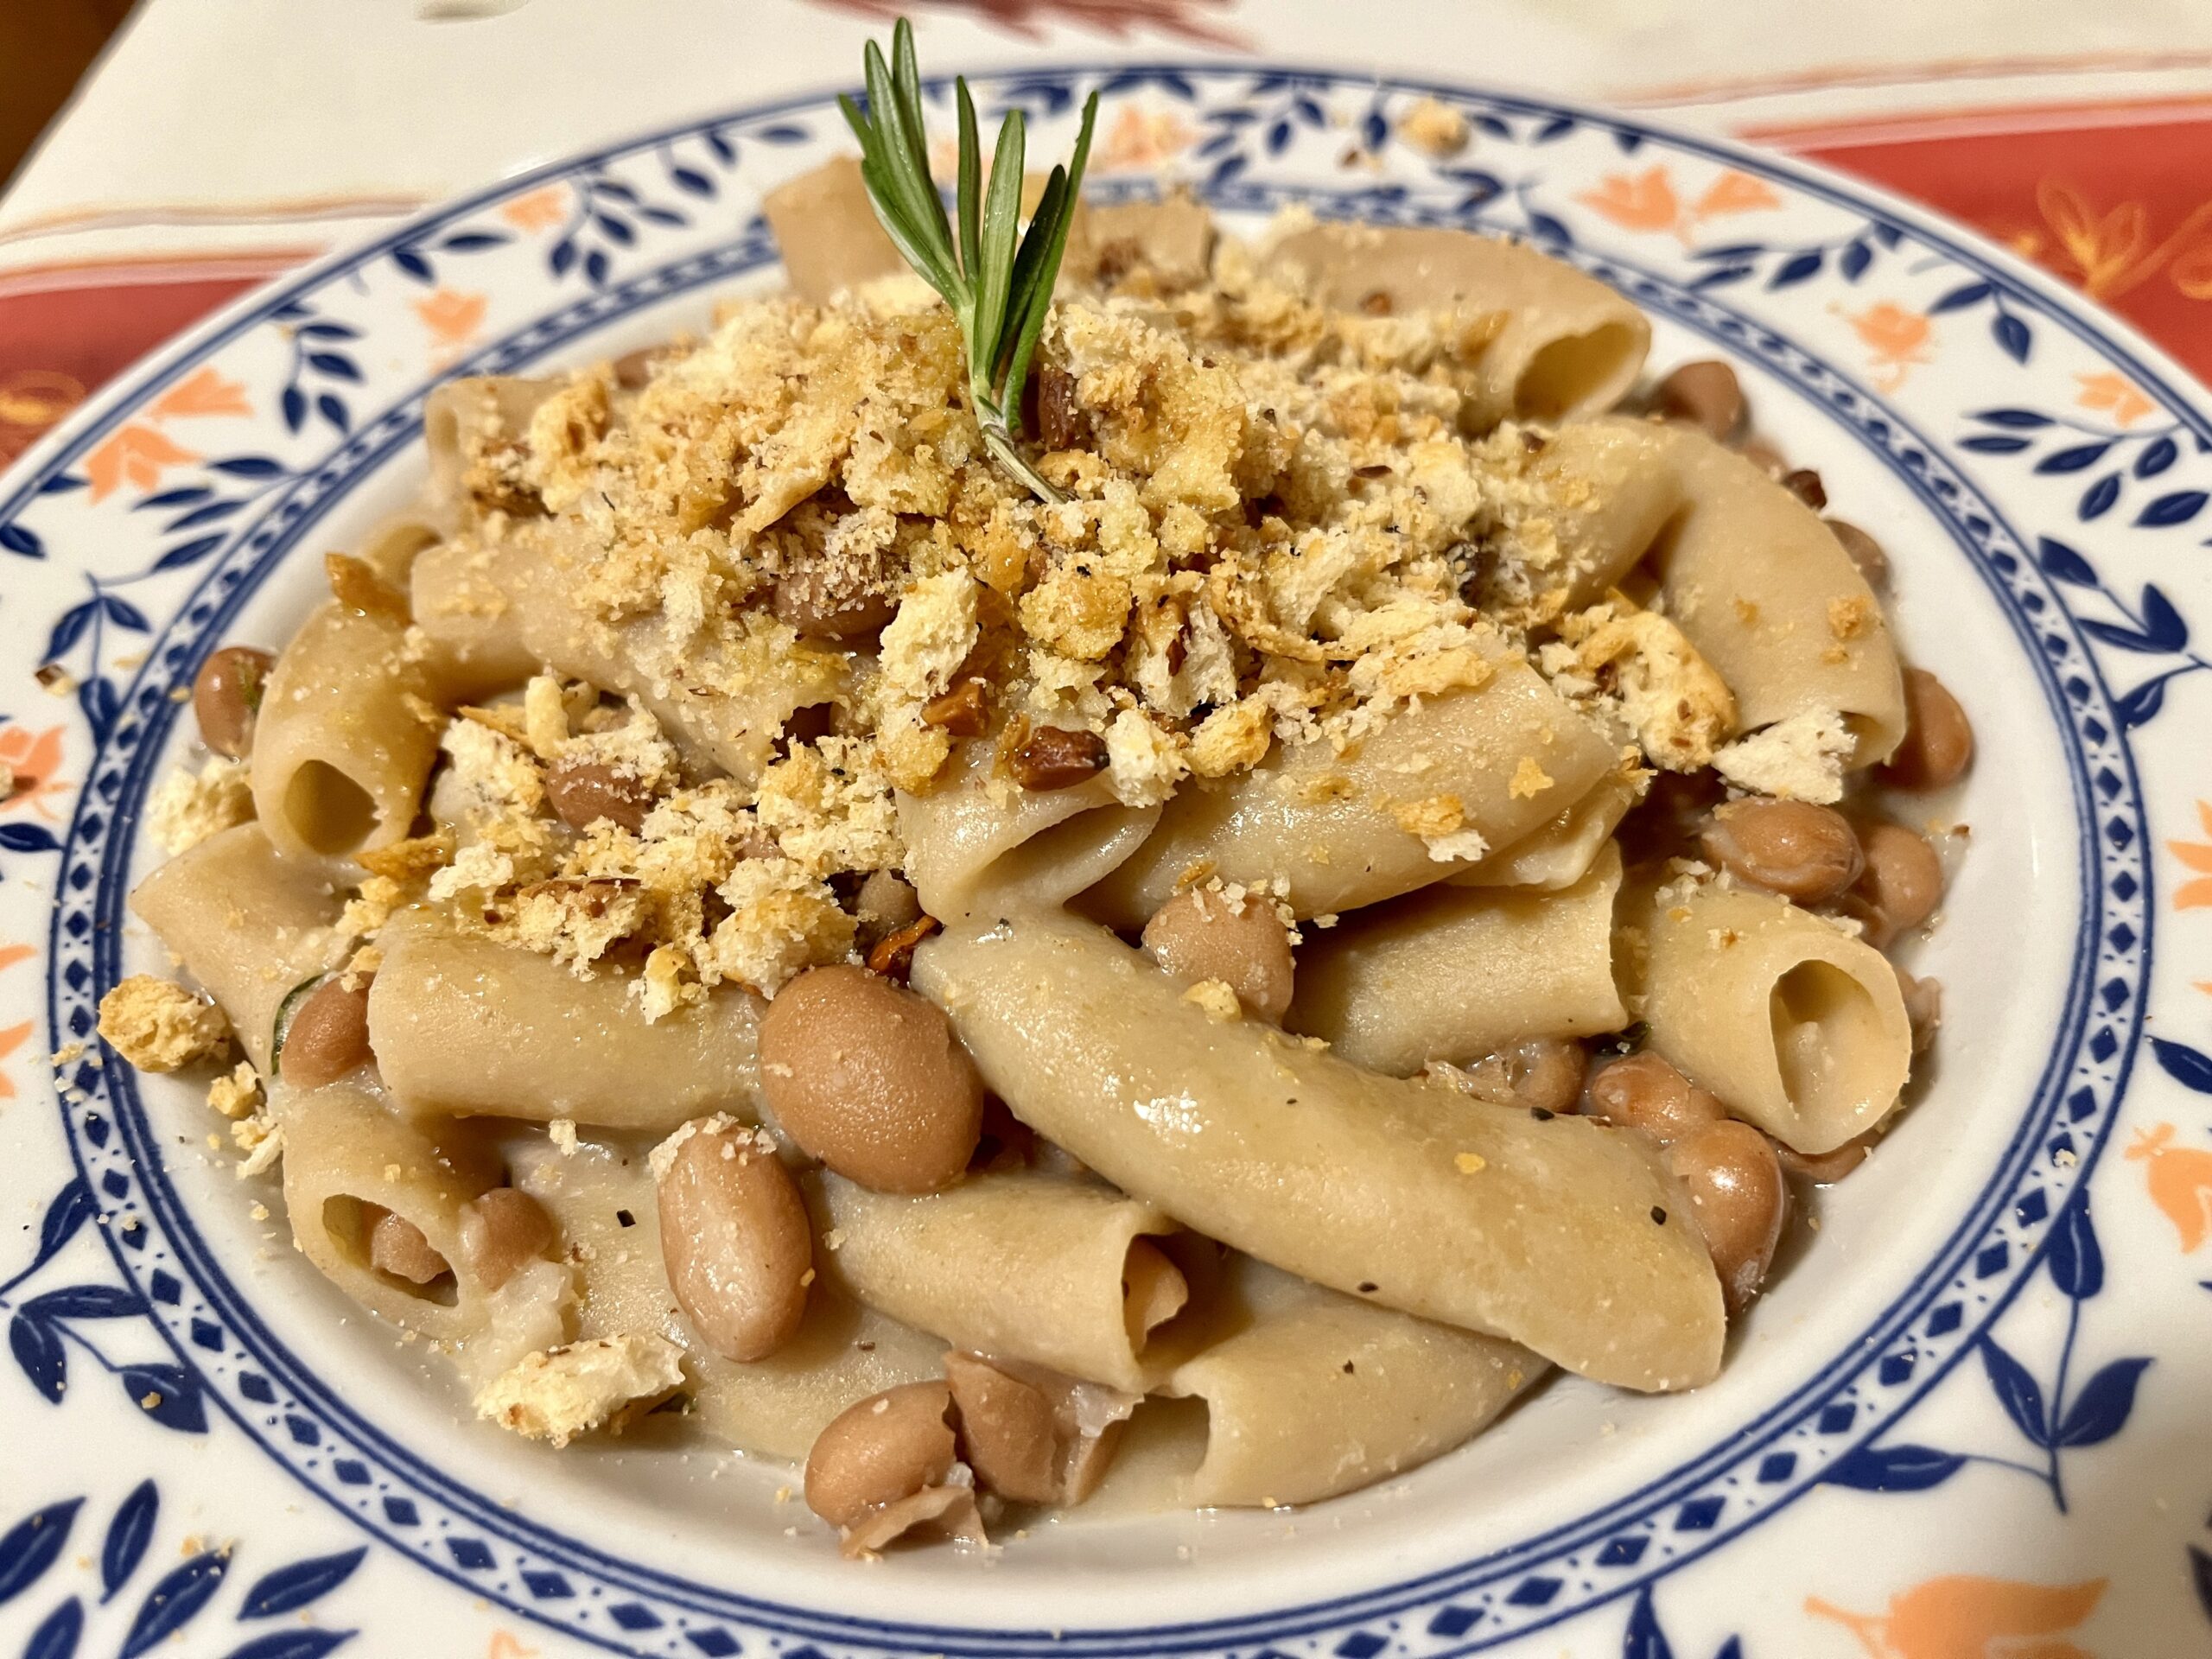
x,y
734,908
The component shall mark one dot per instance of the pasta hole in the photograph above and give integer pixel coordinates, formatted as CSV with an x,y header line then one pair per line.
x,y
1821,1018
328,810
348,1220
1577,369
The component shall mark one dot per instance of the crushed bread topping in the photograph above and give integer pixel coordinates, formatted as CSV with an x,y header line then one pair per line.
x,y
158,1025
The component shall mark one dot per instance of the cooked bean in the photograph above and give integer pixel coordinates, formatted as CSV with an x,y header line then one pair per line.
x,y
1200,935
1062,421
1901,886
1924,1005
1866,553
1706,394
886,903
1938,741
889,1446
1544,1074
1801,851
1642,1091
826,599
1826,1168
584,792
1738,1198
868,1078
1805,484
1057,758
328,1036
227,698
398,1247
500,1231
1008,1430
633,369
964,711
735,1239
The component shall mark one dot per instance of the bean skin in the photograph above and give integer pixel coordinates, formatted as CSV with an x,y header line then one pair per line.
x,y
227,698
735,1240
868,1078
1200,935
328,1036
889,1446
1644,1092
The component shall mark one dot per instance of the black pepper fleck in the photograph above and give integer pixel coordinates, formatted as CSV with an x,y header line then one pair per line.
x,y
1542,1114
1659,1214
1348,1369
1367,1287
625,1218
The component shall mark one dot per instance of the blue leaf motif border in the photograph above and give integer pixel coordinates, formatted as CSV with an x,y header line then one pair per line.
x,y
671,214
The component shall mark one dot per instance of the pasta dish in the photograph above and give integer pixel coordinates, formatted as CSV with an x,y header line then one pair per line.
x,y
1367,883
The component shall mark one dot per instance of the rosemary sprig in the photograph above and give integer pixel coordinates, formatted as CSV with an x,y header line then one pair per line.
x,y
998,284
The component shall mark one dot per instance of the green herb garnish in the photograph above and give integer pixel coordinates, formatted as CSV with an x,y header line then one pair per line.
x,y
999,291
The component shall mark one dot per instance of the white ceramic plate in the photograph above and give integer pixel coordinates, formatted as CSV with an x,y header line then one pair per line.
x,y
1968,1415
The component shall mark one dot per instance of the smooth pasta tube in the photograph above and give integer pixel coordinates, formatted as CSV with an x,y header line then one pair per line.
x,y
1560,1235
1796,1025
1335,827
468,1026
979,839
1611,505
345,737
348,1154
251,927
1768,597
1455,973
1060,1273
1315,1393
604,1200
1565,344
722,694
1561,853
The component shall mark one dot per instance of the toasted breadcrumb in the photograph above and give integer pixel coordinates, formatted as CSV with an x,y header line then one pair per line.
x,y
158,1025
237,1092
1800,758
190,806
1217,998
559,1393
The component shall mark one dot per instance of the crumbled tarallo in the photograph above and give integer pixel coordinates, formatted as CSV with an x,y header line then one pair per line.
x,y
158,1025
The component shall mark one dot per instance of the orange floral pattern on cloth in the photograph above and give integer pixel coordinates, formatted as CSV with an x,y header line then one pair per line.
x,y
1649,201
2180,1180
135,456
1962,1617
2110,253
33,758
1896,340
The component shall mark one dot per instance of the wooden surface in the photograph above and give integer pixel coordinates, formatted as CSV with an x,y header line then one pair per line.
x,y
45,47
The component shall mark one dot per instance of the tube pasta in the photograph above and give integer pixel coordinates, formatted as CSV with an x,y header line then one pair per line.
x,y
1613,505
465,420
772,1407
1770,597
516,600
1453,974
1330,825
1057,1272
978,839
1314,1394
1543,1232
346,738
1565,344
1561,852
345,1149
469,1027
248,925
1796,1025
